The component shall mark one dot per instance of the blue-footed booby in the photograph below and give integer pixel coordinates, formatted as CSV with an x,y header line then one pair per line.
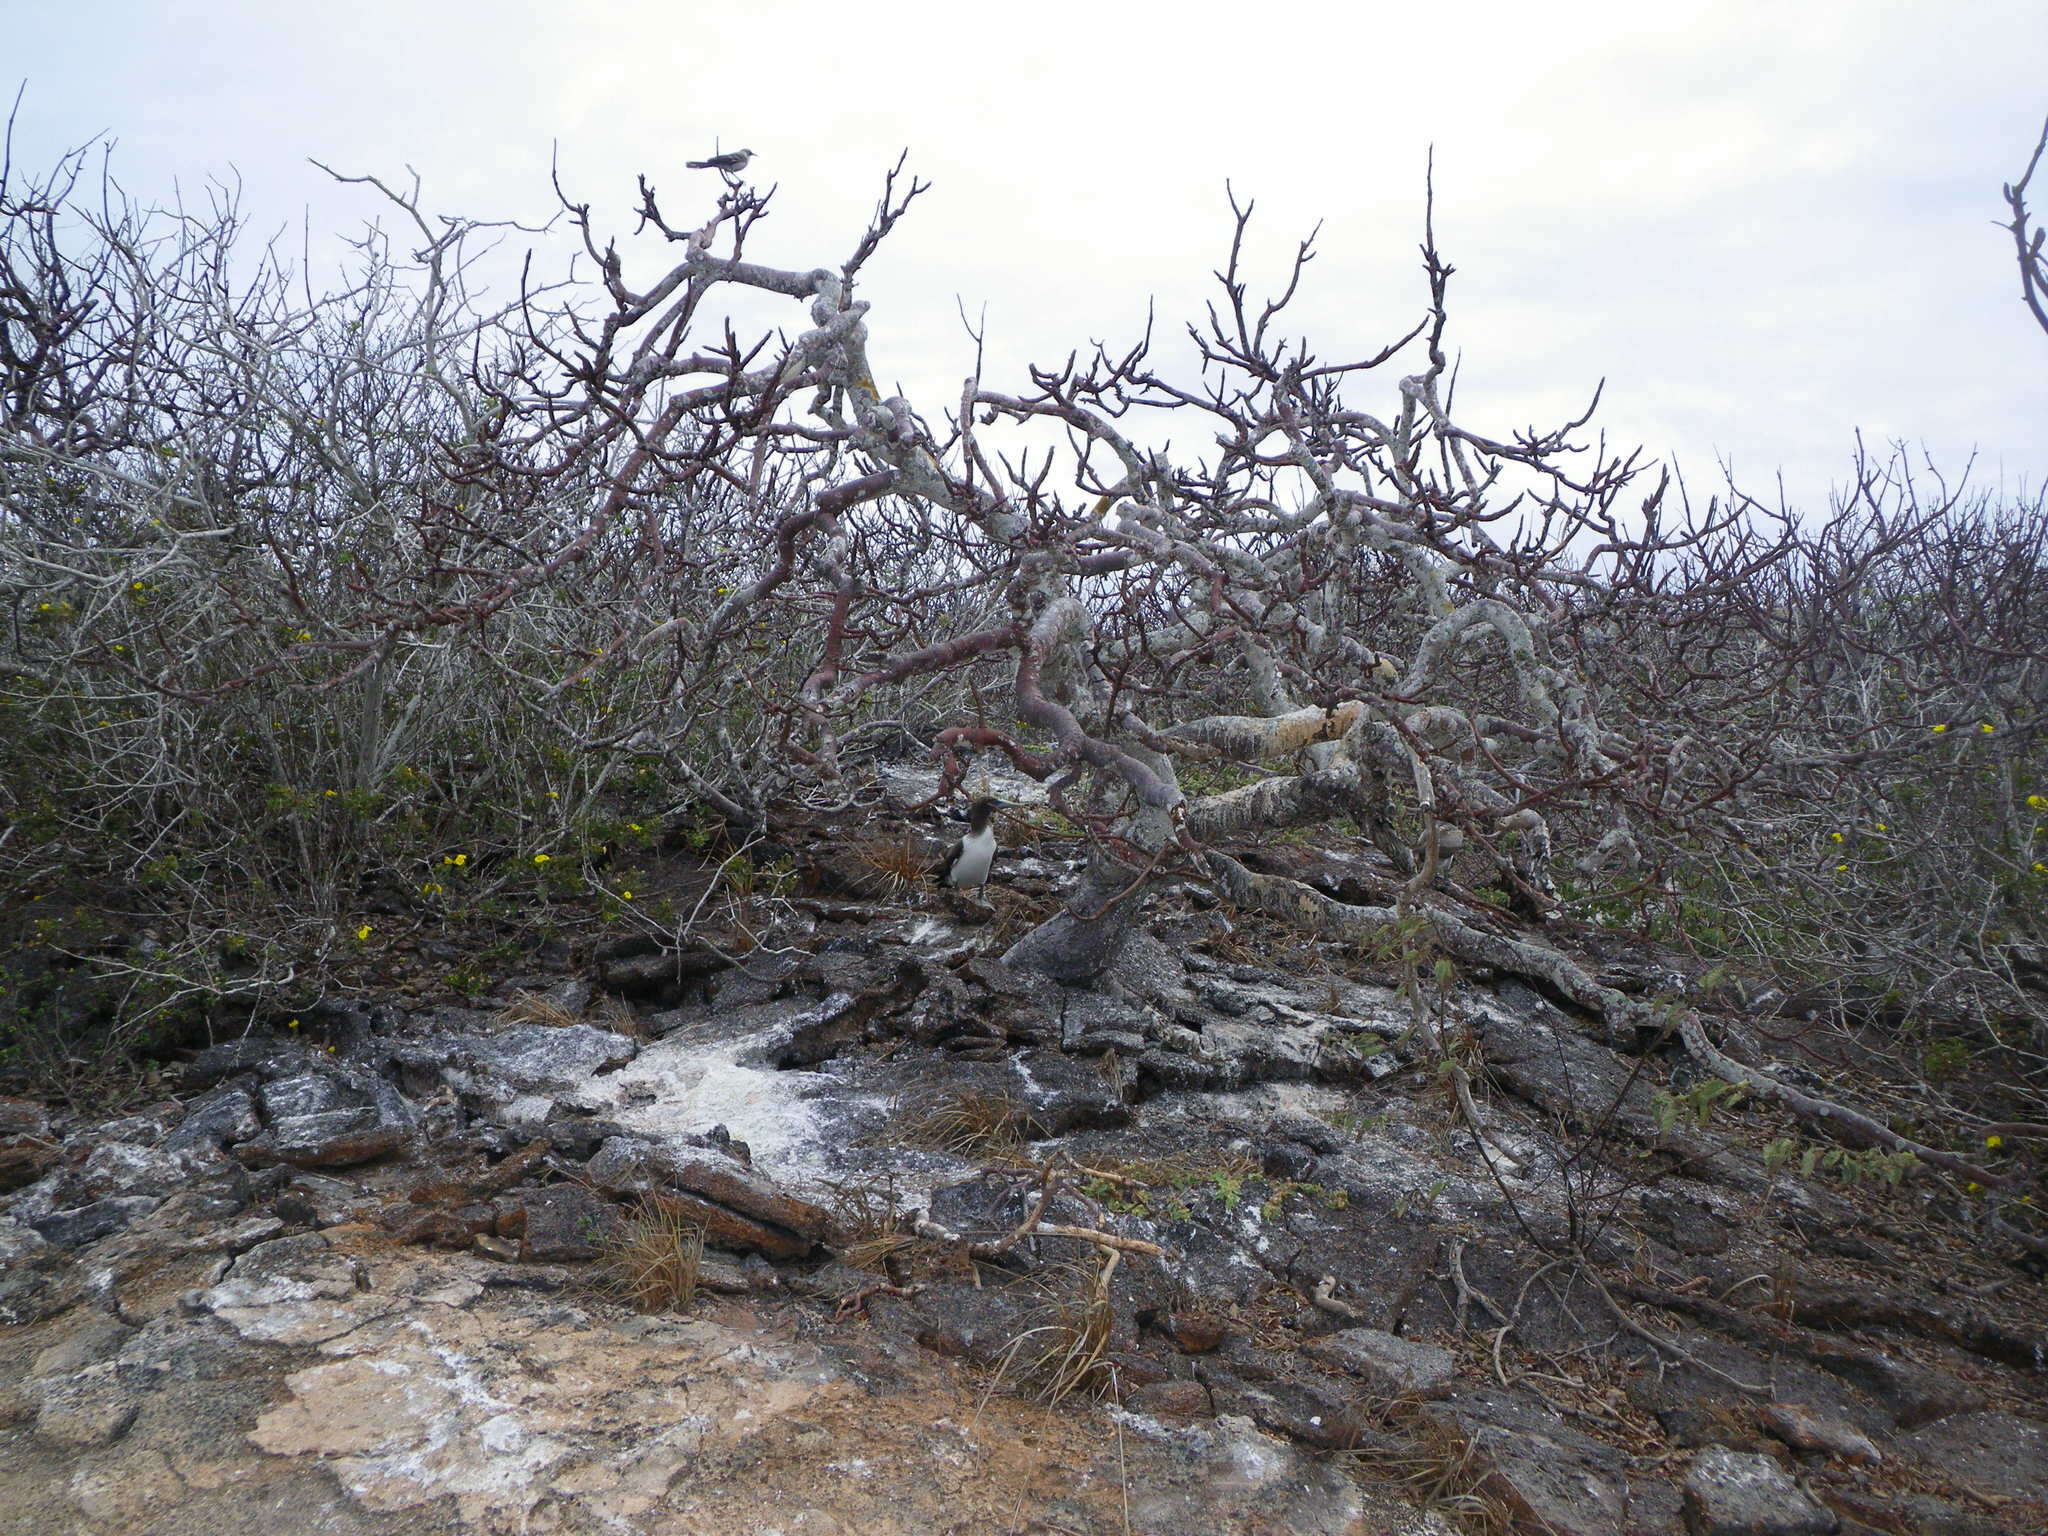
x,y
967,862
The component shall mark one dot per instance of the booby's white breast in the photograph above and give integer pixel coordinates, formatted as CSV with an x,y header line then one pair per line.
x,y
971,858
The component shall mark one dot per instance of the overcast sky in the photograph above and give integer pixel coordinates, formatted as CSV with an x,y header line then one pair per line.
x,y
1766,225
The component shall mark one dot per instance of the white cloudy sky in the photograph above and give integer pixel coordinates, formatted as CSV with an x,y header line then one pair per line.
x,y
1766,225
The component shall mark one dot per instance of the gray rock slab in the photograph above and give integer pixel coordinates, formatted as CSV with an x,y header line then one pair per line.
x,y
337,1138
218,1118
1390,1366
19,1243
1540,1059
796,1032
304,1093
231,1058
83,1224
539,1058
99,1337
565,1223
1806,1429
1735,1493
1998,1453
128,1168
1913,1394
1548,1473
85,1410
737,1206
333,1117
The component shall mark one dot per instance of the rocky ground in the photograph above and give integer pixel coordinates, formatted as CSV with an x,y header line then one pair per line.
x,y
1208,1248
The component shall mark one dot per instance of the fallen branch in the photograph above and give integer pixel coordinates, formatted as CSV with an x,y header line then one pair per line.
x,y
1309,909
995,1249
1324,1296
1856,1128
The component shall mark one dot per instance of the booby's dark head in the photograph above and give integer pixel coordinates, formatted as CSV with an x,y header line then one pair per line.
x,y
982,812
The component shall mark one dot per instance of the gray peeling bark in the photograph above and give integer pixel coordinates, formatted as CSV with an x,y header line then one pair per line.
x,y
1252,738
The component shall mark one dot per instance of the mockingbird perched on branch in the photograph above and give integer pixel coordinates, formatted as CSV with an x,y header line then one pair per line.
x,y
729,164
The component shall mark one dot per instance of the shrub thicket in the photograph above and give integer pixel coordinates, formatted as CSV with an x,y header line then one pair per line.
x,y
326,605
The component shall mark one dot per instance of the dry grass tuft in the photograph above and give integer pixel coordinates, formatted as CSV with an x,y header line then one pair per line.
x,y
653,1266
872,1231
900,863
984,1125
617,1015
1068,1354
537,1008
1437,1466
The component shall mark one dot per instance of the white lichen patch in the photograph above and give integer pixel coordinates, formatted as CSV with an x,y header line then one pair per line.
x,y
503,1411
679,1089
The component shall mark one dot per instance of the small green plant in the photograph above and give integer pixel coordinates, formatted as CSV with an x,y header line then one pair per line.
x,y
1357,1123
1424,1197
1856,1167
1696,1105
468,981
1848,1164
1945,1060
740,876
1152,1186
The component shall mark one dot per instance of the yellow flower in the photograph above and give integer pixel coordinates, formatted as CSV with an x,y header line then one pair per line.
x,y
291,1023
540,858
636,825
362,933
2038,802
1939,729
1881,827
1994,1141
305,634
625,895
1975,1188
552,795
134,586
2040,868
331,794
1841,869
1986,729
1835,836
458,860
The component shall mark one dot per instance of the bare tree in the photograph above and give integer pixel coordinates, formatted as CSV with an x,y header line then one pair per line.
x,y
1373,615
2027,237
431,575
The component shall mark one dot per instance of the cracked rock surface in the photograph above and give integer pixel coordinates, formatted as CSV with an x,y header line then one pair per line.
x,y
1207,1248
